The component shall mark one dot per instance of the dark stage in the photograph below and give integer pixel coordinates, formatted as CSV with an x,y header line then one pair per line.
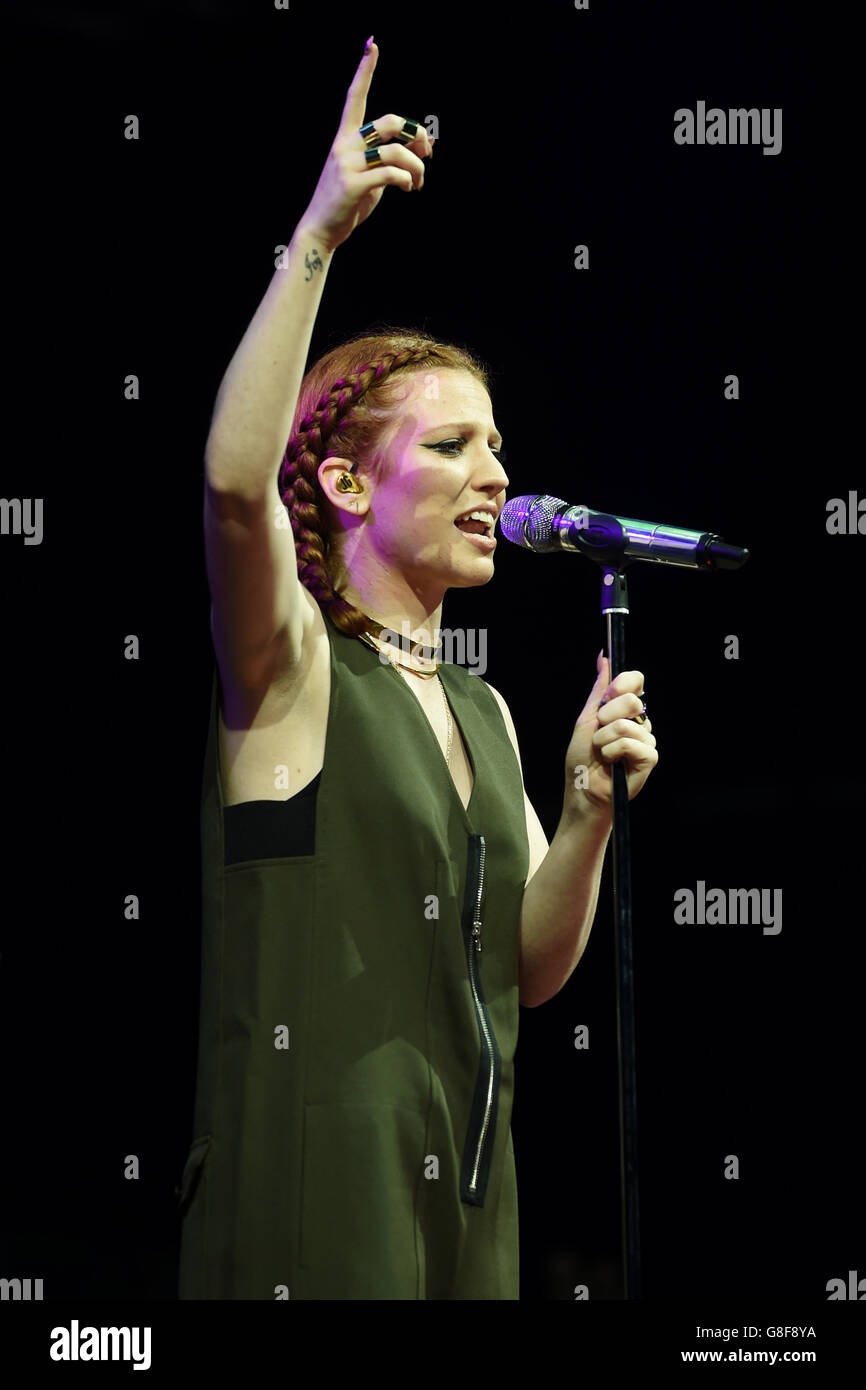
x,y
664,315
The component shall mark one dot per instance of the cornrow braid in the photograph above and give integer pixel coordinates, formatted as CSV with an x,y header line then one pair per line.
x,y
345,416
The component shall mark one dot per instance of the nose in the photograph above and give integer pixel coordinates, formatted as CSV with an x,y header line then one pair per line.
x,y
498,480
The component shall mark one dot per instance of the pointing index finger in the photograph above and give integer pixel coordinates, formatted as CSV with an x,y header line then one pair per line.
x,y
355,107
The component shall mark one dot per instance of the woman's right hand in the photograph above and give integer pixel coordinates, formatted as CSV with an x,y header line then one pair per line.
x,y
348,190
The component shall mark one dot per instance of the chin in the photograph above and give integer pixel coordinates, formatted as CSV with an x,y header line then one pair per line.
x,y
455,567
471,575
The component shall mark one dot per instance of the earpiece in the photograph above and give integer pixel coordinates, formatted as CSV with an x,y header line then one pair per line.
x,y
346,483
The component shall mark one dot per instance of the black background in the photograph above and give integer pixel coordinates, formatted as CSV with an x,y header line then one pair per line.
x,y
150,257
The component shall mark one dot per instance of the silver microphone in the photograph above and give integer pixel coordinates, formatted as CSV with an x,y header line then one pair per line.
x,y
545,524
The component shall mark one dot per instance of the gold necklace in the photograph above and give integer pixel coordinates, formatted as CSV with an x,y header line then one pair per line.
x,y
368,638
375,630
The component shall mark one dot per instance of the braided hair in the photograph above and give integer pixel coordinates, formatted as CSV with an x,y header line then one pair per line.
x,y
347,401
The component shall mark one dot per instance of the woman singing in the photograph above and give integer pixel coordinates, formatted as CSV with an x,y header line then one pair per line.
x,y
378,893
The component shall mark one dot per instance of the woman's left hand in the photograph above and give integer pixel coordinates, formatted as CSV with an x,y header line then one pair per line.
x,y
607,732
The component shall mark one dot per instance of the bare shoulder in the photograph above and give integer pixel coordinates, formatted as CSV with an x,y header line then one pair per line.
x,y
288,676
279,718
286,681
506,715
538,843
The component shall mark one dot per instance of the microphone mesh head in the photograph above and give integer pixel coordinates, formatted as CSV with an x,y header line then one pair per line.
x,y
527,520
512,520
539,527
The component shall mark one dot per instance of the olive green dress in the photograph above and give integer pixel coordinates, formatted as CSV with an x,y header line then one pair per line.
x,y
359,1017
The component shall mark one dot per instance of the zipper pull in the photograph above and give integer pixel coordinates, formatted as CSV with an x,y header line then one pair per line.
x,y
476,935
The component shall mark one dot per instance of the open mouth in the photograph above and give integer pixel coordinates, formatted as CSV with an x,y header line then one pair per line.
x,y
477,527
476,523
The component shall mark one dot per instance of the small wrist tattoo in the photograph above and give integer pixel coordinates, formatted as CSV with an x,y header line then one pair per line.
x,y
315,264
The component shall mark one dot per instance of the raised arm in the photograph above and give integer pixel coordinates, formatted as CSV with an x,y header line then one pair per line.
x,y
260,608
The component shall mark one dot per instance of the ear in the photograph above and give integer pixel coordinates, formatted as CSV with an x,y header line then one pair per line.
x,y
329,473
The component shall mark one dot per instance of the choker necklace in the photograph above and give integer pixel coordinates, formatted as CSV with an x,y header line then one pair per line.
x,y
405,644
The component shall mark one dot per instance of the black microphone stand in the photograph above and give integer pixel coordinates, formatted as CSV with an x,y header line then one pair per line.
x,y
604,541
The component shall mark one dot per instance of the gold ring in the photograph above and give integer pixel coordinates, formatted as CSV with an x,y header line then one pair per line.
x,y
408,133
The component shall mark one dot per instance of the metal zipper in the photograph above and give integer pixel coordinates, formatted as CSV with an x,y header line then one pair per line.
x,y
485,1103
